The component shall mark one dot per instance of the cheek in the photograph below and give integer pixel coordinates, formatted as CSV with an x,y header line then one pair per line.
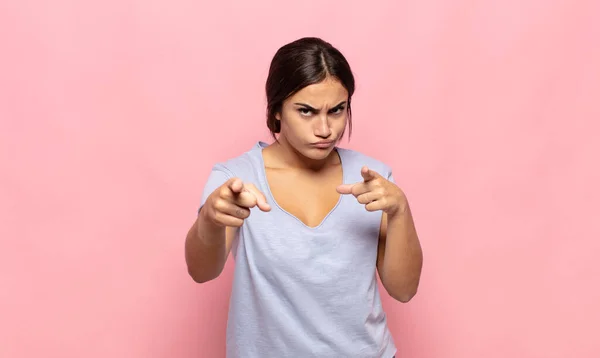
x,y
295,125
341,123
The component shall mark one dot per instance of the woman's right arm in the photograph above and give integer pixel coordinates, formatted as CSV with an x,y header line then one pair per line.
x,y
209,240
207,247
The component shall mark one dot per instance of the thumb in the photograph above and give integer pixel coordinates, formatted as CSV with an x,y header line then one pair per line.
x,y
261,200
344,189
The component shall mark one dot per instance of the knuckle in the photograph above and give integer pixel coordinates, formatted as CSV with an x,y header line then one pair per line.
x,y
219,219
238,222
244,200
250,200
224,191
241,213
220,205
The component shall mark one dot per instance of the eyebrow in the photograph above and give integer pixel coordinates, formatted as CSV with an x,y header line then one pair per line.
x,y
317,110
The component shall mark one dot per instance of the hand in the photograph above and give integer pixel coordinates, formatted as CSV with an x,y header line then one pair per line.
x,y
229,205
376,192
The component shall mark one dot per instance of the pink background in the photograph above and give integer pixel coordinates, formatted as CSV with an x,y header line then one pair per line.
x,y
113,112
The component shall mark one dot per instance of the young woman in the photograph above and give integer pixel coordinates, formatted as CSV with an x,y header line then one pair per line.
x,y
309,224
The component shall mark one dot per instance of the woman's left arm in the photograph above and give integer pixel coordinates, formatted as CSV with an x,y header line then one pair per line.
x,y
399,255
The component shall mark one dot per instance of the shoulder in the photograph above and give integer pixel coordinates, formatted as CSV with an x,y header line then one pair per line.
x,y
356,159
241,165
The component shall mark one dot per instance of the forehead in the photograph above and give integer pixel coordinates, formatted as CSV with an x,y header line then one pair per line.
x,y
327,91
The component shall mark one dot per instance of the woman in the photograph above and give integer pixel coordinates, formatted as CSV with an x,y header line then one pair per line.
x,y
309,224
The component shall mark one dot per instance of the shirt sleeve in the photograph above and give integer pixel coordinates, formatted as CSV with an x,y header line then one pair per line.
x,y
217,177
390,174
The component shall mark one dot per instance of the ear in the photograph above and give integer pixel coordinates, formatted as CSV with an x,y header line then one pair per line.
x,y
278,116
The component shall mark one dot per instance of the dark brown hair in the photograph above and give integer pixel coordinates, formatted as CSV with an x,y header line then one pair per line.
x,y
301,63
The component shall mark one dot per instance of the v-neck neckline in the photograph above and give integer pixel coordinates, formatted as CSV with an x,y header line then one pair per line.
x,y
273,201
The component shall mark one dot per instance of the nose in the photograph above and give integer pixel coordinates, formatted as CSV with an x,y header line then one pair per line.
x,y
322,128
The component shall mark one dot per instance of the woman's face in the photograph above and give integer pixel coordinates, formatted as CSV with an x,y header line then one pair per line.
x,y
313,120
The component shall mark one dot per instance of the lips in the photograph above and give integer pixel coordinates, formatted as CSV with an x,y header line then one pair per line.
x,y
323,144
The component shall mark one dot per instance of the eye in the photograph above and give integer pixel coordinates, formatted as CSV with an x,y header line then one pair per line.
x,y
338,110
305,111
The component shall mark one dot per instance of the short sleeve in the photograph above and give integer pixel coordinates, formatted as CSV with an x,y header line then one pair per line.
x,y
389,174
391,177
218,176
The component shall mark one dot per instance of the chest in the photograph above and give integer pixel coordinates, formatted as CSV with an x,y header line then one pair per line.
x,y
307,196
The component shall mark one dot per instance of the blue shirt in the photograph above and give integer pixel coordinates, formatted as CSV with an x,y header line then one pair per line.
x,y
300,291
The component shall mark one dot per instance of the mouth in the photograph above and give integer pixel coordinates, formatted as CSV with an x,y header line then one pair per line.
x,y
324,144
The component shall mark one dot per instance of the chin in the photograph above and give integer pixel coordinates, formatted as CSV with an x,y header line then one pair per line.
x,y
318,154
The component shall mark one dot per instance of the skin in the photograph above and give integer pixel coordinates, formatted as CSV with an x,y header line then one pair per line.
x,y
314,114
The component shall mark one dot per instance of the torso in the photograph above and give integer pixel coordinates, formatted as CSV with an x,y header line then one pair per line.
x,y
305,277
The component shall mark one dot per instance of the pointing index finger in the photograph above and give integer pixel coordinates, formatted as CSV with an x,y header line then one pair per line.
x,y
367,174
236,186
